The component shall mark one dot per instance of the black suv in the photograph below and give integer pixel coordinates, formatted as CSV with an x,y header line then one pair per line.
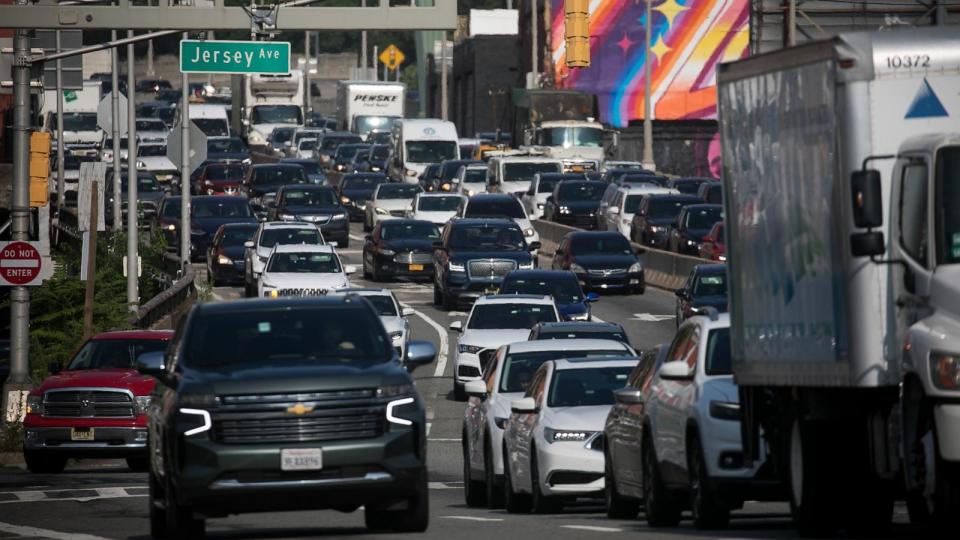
x,y
290,404
473,255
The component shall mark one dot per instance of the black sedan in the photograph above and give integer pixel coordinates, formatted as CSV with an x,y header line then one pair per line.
x,y
400,247
692,226
266,179
314,204
602,261
656,213
575,203
208,213
225,256
354,190
706,286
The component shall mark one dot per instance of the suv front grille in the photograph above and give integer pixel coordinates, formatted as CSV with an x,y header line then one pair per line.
x,y
309,417
84,403
398,213
609,272
411,257
490,268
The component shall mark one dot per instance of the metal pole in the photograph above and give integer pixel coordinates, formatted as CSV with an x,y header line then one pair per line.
x,y
211,36
443,77
647,161
941,13
185,171
91,290
115,123
534,38
790,36
133,233
150,72
306,75
61,150
376,63
363,46
18,380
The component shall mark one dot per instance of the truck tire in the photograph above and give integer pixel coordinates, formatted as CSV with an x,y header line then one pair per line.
x,y
472,490
513,502
40,463
709,510
618,506
158,513
660,506
811,464
929,506
181,523
415,518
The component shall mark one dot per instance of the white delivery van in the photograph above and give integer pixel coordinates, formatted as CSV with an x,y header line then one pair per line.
x,y
80,130
211,119
420,142
513,174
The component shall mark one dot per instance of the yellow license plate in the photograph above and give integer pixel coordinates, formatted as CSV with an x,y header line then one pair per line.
x,y
81,434
416,268
492,290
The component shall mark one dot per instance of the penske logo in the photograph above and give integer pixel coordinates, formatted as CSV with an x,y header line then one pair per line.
x,y
299,409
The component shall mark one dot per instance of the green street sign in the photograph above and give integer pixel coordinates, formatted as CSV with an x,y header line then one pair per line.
x,y
69,95
234,56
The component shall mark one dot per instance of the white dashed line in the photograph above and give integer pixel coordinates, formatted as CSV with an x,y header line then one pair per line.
x,y
444,440
591,528
33,532
442,353
594,318
101,493
357,238
441,485
473,518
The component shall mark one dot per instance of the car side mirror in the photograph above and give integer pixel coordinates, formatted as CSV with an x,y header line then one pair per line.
x,y
592,297
677,370
681,293
456,326
248,244
53,368
476,389
419,353
628,396
533,246
525,405
350,269
614,210
407,311
867,199
153,364
333,243
549,198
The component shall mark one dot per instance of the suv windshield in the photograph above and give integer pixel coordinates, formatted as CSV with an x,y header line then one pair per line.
x,y
947,196
718,353
431,151
113,353
79,121
290,235
584,387
438,204
499,207
391,230
572,136
221,207
397,191
309,197
152,150
608,244
565,289
151,125
276,114
667,208
510,316
323,336
581,191
304,263
518,368
487,237
212,127
517,172
475,176
574,334
279,175
710,285
704,218
224,146
363,182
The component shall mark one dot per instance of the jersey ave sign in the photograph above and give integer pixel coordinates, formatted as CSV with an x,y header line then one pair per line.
x,y
234,56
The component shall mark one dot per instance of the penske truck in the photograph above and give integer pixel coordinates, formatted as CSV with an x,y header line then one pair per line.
x,y
368,106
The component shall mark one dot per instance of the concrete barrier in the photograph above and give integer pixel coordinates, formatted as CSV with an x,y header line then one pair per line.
x,y
662,269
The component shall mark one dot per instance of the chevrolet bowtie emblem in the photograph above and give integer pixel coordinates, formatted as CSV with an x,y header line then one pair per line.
x,y
299,409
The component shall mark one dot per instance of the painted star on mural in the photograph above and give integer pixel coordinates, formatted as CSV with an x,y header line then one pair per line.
x,y
670,9
625,43
660,49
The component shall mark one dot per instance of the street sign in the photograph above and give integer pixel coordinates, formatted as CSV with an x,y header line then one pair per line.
x,y
90,171
392,57
22,265
105,114
198,146
214,56
72,65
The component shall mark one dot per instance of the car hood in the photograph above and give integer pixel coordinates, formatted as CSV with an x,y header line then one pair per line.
x,y
581,207
311,210
228,156
394,204
605,261
306,281
81,136
410,244
357,194
586,418
393,324
236,253
210,225
157,163
129,379
719,302
572,309
519,256
253,378
491,339
435,217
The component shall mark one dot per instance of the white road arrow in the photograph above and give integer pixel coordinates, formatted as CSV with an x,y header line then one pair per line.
x,y
650,317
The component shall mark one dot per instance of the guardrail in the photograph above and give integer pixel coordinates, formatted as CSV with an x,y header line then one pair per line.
x,y
172,302
662,269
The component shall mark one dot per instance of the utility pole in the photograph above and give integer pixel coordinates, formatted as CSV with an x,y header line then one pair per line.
x,y
376,63
647,160
133,233
307,98
534,36
150,72
61,150
92,259
443,77
185,170
115,127
790,21
363,45
18,381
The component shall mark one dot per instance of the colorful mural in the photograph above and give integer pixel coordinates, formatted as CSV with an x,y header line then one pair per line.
x,y
690,38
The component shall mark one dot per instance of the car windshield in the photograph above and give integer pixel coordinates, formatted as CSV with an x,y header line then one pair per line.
x,y
382,304
546,185
221,207
309,197
572,136
640,179
607,244
301,134
152,150
487,237
438,204
564,288
587,386
282,135
449,170
379,152
362,182
399,230
212,127
510,316
703,218
397,191
366,124
498,207
574,334
632,204
225,172
332,143
304,263
290,235
307,144
710,285
581,191
151,125
146,183
276,114
237,236
312,167
431,151
71,162
475,176
113,353
718,353
687,187
947,196
171,209
524,172
224,146
80,121
316,336
347,151
271,176
518,368
667,208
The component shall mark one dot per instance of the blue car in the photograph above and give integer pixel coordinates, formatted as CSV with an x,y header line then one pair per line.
x,y
564,286
312,167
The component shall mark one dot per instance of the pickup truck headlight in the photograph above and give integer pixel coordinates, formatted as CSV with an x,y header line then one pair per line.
x,y
560,435
471,349
141,164
635,267
344,200
945,371
143,404
577,269
410,172
456,267
338,217
526,266
34,404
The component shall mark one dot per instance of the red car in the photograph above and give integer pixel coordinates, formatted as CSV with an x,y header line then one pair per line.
x,y
714,247
95,407
220,179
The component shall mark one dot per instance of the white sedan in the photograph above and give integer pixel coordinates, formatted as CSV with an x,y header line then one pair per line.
x,y
437,208
391,200
553,440
303,270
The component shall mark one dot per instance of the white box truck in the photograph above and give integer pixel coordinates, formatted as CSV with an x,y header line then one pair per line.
x,y
81,134
366,106
843,237
271,101
418,143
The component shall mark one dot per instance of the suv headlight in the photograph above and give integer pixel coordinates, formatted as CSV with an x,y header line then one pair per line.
x,y
344,200
455,267
560,435
395,390
195,421
396,335
223,259
585,316
141,164
635,267
143,403
35,404
247,161
564,210
945,371
338,217
472,349
526,266
724,410
410,172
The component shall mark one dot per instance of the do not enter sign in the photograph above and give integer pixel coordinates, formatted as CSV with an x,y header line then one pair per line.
x,y
20,264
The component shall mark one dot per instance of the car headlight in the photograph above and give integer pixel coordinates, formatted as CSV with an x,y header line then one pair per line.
x,y
197,232
564,210
338,217
395,390
471,349
143,404
455,267
561,435
529,232
724,410
210,191
410,172
540,206
585,316
247,161
375,169
635,267
655,229
470,193
196,420
223,259
381,211
576,268
388,252
34,404
722,258
286,217
208,183
255,137
344,200
945,371
526,266
396,335
171,227
141,164
691,242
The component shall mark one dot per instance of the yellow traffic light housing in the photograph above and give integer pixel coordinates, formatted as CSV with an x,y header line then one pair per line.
x,y
39,168
577,32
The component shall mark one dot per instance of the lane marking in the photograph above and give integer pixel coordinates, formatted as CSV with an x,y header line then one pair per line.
x,y
591,528
51,494
441,485
429,425
357,238
443,351
473,518
650,317
33,532
594,318
444,440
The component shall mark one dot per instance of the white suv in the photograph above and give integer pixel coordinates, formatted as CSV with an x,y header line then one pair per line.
x,y
617,214
303,270
488,408
268,235
693,431
495,321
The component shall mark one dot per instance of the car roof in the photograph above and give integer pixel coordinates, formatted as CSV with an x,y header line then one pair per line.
x,y
425,195
240,225
527,159
674,197
303,248
305,187
710,269
278,165
581,234
593,363
591,326
287,225
473,222
404,221
568,345
722,321
702,206
649,188
477,166
274,304
515,299
158,335
492,197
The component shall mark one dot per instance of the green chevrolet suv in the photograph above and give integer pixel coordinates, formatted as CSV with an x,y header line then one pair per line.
x,y
290,404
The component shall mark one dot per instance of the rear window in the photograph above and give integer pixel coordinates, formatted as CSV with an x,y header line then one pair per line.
x,y
501,207
304,263
586,387
221,208
510,316
518,368
710,285
573,334
289,235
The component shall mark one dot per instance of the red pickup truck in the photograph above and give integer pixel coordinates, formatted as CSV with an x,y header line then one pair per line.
x,y
95,407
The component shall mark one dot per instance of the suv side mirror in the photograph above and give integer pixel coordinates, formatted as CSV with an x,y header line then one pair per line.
x,y
867,201
676,370
867,244
524,406
418,354
628,396
456,326
153,365
533,246
681,293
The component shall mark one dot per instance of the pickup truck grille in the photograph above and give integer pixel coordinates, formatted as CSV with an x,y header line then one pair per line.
x,y
490,268
88,404
309,417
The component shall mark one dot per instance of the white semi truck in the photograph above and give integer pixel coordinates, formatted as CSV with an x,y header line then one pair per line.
x,y
81,134
367,106
843,236
271,101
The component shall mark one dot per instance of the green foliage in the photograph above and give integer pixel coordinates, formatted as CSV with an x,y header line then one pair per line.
x,y
11,437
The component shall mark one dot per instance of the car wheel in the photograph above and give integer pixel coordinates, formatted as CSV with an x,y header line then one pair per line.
x,y
513,502
494,491
366,271
415,518
709,511
40,463
181,523
138,464
618,506
473,490
449,301
158,514
459,392
542,504
367,227
437,295
660,506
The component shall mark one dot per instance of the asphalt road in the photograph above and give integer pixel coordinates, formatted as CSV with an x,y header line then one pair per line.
x,y
103,499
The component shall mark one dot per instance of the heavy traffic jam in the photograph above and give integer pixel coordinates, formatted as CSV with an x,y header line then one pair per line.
x,y
814,360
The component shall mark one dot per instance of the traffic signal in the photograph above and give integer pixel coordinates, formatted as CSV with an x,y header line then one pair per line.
x,y
39,168
577,32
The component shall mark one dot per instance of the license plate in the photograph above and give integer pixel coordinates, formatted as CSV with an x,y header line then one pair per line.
x,y
492,290
81,434
301,459
416,268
